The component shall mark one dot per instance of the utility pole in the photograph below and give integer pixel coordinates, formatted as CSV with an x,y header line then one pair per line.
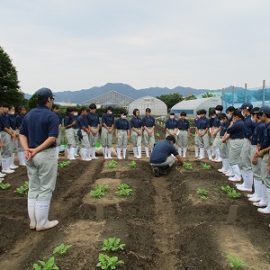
x,y
245,92
263,93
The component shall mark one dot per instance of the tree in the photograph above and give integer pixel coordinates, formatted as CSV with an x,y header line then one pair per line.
x,y
208,95
9,85
32,102
171,99
190,97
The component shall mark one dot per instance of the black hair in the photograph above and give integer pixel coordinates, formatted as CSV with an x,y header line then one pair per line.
x,y
110,108
82,109
219,108
11,106
170,138
92,106
20,108
238,114
123,111
198,112
68,110
212,112
222,116
148,110
203,111
183,114
5,105
255,110
134,111
230,109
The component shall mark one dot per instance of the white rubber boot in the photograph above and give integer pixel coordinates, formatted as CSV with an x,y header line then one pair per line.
x,y
67,153
93,152
109,153
196,152
202,153
263,201
237,174
31,213
256,196
266,210
246,186
119,153
85,154
72,153
135,152
124,153
105,152
229,171
42,209
184,152
76,151
209,154
218,158
12,164
222,169
147,152
2,175
5,166
179,150
139,151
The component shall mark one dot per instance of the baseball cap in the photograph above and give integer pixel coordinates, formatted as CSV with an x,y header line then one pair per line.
x,y
265,109
247,106
44,93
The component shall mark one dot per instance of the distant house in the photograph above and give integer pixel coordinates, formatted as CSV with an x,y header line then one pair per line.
x,y
157,106
112,98
192,106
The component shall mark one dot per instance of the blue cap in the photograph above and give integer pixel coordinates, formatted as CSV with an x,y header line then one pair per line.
x,y
265,109
247,106
44,93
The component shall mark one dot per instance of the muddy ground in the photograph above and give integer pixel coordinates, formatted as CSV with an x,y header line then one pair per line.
x,y
164,224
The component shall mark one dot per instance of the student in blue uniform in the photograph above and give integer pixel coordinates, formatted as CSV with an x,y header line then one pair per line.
x,y
136,125
84,132
94,126
196,137
7,136
19,118
171,125
263,153
107,132
235,134
183,126
202,126
56,110
122,134
75,131
245,164
69,123
164,155
148,131
2,175
38,135
258,128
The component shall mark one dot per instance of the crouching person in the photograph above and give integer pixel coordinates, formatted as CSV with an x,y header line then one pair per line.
x,y
164,156
38,135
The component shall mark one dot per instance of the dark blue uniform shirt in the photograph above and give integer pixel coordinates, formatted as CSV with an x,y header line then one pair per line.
x,y
1,124
258,129
59,118
136,122
216,122
149,121
202,123
224,127
68,120
265,141
237,130
162,150
93,119
211,121
12,121
76,126
19,119
108,119
5,120
171,124
183,124
248,127
39,124
82,121
122,124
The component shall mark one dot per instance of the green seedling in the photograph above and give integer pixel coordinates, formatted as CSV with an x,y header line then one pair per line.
x,y
206,166
99,191
124,190
203,193
235,262
187,166
62,249
106,262
113,244
4,186
112,164
157,134
132,164
46,265
64,164
21,190
231,192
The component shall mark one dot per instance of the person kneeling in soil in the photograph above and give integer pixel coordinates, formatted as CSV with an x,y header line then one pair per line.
x,y
164,156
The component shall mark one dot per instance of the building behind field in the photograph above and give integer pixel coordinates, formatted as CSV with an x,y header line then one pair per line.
x,y
157,106
192,106
112,98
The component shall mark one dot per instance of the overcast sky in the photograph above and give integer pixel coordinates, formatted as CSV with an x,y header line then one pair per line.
x,y
75,44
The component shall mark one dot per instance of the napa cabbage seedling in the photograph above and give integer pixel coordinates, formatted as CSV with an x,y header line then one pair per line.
x,y
187,166
62,249
231,192
235,262
4,186
203,193
46,265
112,164
124,190
64,164
99,191
113,244
132,164
206,166
106,262
21,190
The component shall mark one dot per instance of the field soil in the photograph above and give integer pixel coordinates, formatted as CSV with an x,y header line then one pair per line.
x,y
164,223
